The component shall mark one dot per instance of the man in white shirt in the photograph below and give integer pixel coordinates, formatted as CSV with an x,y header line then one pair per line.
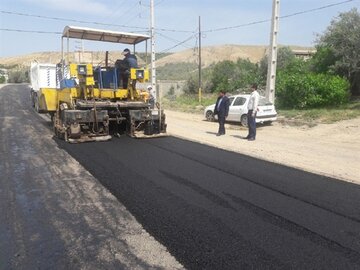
x,y
252,110
151,100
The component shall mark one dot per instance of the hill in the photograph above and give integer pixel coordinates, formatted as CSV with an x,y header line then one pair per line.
x,y
214,54
210,55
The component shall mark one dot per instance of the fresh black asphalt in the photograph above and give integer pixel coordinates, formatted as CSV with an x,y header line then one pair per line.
x,y
215,209
211,208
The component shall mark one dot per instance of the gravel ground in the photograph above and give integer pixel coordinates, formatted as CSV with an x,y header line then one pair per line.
x,y
327,149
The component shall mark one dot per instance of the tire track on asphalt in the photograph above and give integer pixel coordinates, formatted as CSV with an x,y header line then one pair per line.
x,y
264,214
297,229
354,219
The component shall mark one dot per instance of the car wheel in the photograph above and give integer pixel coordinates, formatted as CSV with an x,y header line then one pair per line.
x,y
244,120
209,116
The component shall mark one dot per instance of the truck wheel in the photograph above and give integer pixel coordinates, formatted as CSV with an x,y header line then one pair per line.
x,y
32,98
36,103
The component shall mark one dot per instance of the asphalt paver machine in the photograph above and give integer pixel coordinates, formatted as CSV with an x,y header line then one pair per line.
x,y
89,102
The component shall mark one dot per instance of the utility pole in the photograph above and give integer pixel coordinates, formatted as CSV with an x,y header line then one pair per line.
x,y
200,82
272,61
153,68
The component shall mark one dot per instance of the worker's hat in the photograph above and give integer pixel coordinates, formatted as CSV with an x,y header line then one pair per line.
x,y
125,51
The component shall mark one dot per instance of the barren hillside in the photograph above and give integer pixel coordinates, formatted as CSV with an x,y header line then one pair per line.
x,y
55,57
210,54
214,54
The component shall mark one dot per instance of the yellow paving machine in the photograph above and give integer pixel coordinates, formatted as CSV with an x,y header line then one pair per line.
x,y
94,103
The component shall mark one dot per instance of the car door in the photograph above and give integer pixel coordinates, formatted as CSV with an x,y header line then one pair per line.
x,y
236,109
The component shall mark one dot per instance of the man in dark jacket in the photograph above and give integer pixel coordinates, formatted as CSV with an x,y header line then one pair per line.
x,y
222,111
124,66
130,59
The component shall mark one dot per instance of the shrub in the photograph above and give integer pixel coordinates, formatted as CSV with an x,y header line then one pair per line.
x,y
309,90
18,76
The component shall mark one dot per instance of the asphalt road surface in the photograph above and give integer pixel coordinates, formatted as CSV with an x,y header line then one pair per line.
x,y
215,209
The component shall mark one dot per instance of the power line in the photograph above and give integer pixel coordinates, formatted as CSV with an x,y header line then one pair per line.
x,y
236,26
161,29
180,43
174,40
89,22
174,30
315,9
29,31
127,11
115,9
66,19
281,17
158,3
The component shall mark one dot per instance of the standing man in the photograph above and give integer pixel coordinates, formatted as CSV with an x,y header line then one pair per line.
x,y
124,66
252,110
151,97
222,111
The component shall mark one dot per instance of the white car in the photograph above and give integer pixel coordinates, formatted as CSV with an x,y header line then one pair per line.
x,y
238,110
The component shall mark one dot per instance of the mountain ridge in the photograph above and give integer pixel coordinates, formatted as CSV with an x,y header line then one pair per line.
x,y
209,55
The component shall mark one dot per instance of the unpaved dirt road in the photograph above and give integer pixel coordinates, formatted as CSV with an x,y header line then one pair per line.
x,y
328,149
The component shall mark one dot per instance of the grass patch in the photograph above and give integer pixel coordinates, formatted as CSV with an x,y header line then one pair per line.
x,y
323,115
310,117
189,103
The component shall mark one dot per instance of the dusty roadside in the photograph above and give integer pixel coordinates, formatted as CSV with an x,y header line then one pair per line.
x,y
54,213
328,149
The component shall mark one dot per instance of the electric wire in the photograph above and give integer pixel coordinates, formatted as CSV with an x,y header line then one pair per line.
x,y
88,22
164,29
174,40
280,17
180,43
30,31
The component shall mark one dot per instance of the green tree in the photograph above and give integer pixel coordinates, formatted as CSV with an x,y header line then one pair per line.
x,y
230,76
339,48
309,90
245,74
222,74
18,76
285,58
323,60
191,87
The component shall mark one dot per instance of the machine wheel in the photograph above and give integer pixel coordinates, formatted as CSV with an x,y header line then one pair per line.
x,y
32,98
36,102
55,123
52,117
209,116
244,120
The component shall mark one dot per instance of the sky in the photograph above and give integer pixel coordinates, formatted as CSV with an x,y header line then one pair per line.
x,y
176,22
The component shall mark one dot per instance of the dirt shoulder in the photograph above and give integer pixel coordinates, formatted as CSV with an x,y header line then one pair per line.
x,y
328,149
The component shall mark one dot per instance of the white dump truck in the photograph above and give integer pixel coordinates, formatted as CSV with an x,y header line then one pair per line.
x,y
42,79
